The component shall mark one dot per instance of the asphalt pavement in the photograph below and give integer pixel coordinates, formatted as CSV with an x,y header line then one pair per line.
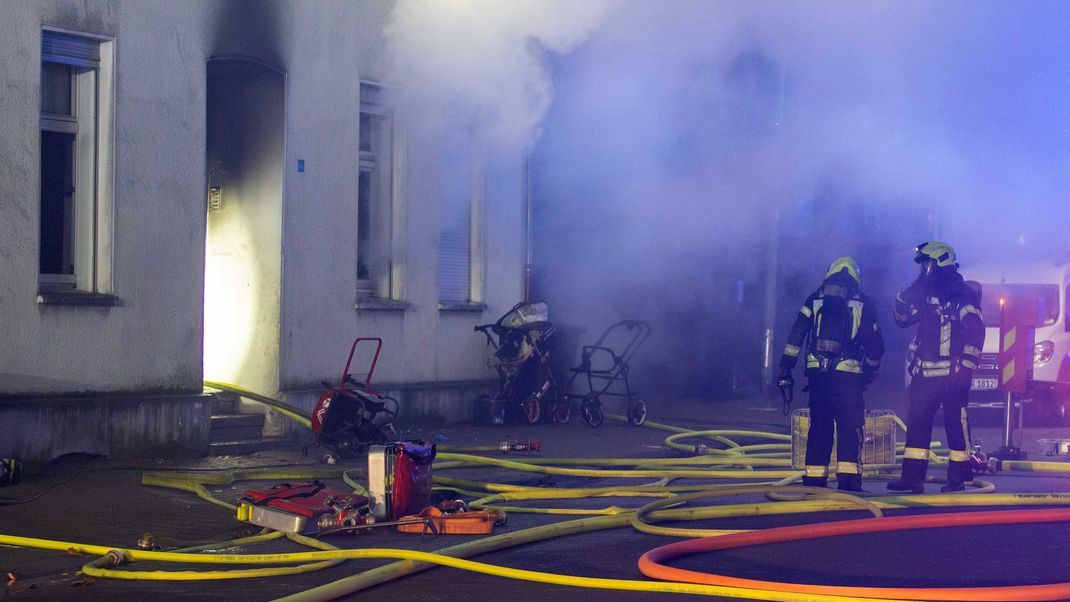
x,y
101,501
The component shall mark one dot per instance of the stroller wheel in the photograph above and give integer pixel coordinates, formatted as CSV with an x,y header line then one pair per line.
x,y
591,411
562,412
531,408
637,413
594,417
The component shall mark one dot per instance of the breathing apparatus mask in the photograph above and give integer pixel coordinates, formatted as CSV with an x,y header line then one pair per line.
x,y
926,268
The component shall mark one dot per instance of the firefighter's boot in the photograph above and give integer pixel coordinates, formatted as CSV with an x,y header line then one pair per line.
x,y
905,485
849,482
913,476
815,481
959,472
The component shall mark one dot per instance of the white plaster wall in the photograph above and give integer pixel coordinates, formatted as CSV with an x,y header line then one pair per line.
x,y
153,340
334,45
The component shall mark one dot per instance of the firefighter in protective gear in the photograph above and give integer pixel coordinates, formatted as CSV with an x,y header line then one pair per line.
x,y
946,350
842,357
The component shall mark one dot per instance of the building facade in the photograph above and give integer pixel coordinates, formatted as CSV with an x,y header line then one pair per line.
x,y
226,191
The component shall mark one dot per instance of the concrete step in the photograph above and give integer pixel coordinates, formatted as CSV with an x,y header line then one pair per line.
x,y
225,403
242,447
236,427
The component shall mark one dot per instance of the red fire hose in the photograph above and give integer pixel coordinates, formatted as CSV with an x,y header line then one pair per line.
x,y
652,563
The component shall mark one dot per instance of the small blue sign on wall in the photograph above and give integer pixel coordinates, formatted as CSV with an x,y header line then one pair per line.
x,y
300,165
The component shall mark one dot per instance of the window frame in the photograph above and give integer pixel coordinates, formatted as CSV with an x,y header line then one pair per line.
x,y
383,161
92,114
475,175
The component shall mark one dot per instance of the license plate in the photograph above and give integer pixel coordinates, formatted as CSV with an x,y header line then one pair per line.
x,y
984,384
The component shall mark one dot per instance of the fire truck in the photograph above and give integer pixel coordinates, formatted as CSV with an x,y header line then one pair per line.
x,y
1049,385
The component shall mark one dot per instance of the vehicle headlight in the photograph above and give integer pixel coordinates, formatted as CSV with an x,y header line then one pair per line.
x,y
1043,352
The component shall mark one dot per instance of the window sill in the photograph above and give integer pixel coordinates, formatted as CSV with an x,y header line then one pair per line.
x,y
461,306
76,298
374,304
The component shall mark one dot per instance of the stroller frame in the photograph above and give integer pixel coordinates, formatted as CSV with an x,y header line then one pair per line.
x,y
601,380
524,385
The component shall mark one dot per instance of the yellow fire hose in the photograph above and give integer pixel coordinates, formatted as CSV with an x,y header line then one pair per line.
x,y
292,412
438,558
111,557
1024,466
748,456
820,492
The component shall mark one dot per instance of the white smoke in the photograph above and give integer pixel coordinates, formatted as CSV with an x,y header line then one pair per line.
x,y
482,61
669,134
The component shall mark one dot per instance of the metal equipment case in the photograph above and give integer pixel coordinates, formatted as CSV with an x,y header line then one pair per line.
x,y
295,507
399,478
878,441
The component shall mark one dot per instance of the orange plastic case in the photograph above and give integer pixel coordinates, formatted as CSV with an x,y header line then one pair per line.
x,y
474,522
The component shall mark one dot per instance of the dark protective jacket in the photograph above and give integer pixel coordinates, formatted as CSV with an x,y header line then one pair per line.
x,y
950,329
861,354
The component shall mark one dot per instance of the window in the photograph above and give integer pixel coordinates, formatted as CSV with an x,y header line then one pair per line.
x,y
460,209
377,209
1046,295
75,241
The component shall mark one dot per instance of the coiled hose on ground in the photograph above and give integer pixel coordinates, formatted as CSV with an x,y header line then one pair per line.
x,y
766,462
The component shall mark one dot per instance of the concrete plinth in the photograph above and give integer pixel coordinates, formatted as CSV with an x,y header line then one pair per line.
x,y
36,430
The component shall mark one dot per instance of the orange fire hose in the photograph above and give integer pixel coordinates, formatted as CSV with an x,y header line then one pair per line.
x,y
652,564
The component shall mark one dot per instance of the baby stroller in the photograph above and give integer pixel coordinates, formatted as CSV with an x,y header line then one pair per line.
x,y
604,368
351,415
521,358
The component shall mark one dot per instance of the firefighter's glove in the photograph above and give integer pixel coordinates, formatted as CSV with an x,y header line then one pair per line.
x,y
785,378
915,293
786,383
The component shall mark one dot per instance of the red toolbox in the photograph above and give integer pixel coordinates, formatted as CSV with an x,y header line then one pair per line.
x,y
298,507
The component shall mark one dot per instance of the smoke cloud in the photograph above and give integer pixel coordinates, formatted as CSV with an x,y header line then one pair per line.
x,y
481,61
674,140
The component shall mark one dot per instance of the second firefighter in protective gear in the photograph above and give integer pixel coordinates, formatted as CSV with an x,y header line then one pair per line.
x,y
946,350
843,354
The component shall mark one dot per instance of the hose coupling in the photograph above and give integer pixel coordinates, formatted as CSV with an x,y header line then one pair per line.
x,y
520,446
978,459
995,464
115,558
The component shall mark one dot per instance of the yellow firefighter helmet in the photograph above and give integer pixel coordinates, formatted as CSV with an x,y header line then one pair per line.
x,y
940,253
845,264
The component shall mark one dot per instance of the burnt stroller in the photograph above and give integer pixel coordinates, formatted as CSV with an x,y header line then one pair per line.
x,y
521,358
606,372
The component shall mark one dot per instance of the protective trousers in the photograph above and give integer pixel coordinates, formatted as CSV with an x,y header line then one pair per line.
x,y
926,395
836,408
